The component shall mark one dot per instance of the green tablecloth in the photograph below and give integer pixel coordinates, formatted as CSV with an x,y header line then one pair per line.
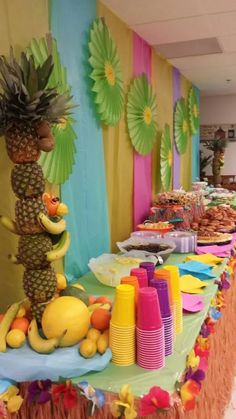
x,y
113,377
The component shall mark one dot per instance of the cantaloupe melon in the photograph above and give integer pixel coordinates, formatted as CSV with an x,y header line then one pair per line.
x,y
66,313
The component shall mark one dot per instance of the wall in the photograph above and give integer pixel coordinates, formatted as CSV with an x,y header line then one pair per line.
x,y
220,110
18,25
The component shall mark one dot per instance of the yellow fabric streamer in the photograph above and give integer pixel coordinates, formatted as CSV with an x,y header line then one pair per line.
x,y
117,145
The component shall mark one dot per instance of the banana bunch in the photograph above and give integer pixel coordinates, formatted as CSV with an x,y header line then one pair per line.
x,y
60,248
51,226
40,345
6,324
9,224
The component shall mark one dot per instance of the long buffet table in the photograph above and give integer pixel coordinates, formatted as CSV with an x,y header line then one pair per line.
x,y
216,388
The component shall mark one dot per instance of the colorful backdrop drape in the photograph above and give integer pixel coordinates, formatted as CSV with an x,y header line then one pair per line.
x,y
142,183
85,191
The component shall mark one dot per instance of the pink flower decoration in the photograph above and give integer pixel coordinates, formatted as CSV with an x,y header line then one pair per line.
x,y
155,399
203,364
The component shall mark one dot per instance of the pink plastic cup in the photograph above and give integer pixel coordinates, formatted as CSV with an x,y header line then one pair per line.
x,y
141,274
148,310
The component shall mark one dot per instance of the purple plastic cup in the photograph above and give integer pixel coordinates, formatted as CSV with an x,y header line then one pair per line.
x,y
141,274
162,291
148,310
150,268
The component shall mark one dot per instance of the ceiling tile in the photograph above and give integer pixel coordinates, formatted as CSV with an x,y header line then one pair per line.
x,y
212,61
228,43
142,11
217,6
223,23
185,29
189,48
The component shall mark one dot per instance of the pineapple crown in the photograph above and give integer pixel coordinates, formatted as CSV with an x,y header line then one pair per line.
x,y
25,97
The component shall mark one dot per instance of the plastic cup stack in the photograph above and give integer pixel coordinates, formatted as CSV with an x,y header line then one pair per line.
x,y
150,330
174,277
167,318
132,280
164,275
141,274
122,326
150,268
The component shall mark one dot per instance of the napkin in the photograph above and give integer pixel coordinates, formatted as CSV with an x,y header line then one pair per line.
x,y
207,258
198,269
192,285
192,303
222,251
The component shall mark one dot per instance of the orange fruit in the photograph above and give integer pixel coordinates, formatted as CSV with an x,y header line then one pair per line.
x,y
100,319
104,300
92,299
1,317
21,324
15,338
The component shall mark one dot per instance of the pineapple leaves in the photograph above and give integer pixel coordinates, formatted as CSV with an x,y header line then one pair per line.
x,y
57,165
44,72
32,82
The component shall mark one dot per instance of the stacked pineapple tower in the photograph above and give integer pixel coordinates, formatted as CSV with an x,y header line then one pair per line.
x,y
27,108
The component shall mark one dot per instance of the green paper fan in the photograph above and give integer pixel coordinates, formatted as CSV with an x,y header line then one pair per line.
x,y
181,126
141,115
193,110
57,165
166,158
106,74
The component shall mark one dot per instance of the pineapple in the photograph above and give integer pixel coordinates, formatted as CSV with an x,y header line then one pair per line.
x,y
39,284
27,110
27,180
32,251
37,310
26,212
26,104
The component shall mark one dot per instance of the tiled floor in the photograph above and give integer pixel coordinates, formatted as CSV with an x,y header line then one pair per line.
x,y
231,410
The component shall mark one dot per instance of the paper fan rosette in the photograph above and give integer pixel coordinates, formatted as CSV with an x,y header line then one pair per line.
x,y
57,165
181,126
166,158
141,115
193,110
106,74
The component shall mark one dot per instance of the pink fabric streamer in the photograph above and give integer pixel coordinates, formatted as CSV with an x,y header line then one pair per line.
x,y
142,191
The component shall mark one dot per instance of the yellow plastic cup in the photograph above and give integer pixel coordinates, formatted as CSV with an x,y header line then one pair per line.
x,y
123,313
175,283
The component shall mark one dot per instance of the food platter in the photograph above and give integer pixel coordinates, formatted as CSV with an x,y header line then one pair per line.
x,y
215,238
162,227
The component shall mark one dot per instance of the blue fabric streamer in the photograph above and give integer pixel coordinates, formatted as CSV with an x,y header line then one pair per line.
x,y
85,191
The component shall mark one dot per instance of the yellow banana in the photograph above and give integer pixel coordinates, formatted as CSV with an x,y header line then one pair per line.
x,y
14,258
60,250
50,226
40,345
62,210
8,224
6,323
103,343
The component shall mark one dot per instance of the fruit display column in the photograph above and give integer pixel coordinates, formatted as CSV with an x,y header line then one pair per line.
x,y
27,108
